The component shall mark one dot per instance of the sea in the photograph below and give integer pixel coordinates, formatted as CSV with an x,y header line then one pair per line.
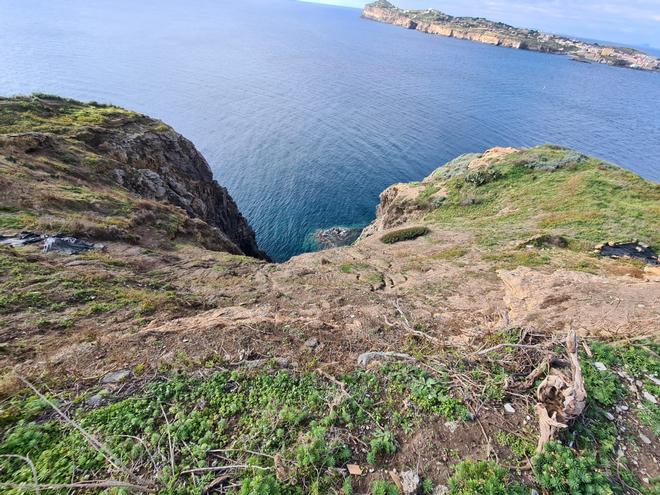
x,y
306,112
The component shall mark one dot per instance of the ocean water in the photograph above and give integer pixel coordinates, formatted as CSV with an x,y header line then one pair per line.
x,y
307,112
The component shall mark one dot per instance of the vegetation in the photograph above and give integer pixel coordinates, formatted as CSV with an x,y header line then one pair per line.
x,y
483,478
561,472
406,234
548,191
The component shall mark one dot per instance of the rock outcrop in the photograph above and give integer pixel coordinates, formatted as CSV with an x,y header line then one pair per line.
x,y
119,150
499,34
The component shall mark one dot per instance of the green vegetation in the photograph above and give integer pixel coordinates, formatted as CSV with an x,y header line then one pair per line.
x,y
380,487
287,428
404,234
483,478
559,470
549,191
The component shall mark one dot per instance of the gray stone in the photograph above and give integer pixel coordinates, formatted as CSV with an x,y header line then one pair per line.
x,y
452,426
645,439
368,357
311,343
600,366
409,482
649,397
441,490
116,376
508,408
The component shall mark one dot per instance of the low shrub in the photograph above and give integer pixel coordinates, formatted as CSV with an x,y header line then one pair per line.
x,y
561,471
404,234
483,478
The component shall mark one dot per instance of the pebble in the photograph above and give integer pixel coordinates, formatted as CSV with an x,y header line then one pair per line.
x,y
609,416
645,439
508,408
650,397
311,343
452,426
441,490
600,366
410,482
116,376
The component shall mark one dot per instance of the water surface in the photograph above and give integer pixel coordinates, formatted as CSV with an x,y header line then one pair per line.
x,y
307,112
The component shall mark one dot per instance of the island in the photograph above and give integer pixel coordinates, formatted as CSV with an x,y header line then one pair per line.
x,y
482,30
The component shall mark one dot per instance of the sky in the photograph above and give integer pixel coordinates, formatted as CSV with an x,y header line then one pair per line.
x,y
633,22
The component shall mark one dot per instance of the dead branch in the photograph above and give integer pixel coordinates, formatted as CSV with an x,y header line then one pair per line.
x,y
32,468
85,485
96,444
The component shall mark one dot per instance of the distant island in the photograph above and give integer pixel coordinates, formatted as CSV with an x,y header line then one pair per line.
x,y
497,33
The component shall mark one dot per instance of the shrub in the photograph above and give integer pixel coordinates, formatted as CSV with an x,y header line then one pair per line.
x,y
381,487
404,234
383,443
483,478
561,472
481,177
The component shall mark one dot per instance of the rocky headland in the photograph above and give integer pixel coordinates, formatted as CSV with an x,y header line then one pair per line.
x,y
169,356
497,33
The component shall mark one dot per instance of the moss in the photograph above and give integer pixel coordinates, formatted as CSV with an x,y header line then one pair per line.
x,y
404,234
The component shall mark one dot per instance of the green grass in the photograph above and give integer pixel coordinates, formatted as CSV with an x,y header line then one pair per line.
x,y
546,190
481,477
404,234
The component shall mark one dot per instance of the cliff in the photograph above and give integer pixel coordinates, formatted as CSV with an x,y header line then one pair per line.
x,y
499,34
102,161
403,364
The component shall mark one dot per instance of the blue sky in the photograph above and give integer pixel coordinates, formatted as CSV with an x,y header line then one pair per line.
x,y
634,22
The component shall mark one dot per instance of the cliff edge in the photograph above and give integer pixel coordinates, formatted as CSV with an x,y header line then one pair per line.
x,y
116,170
170,362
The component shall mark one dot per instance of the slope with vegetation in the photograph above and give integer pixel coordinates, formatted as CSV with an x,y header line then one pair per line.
x,y
172,363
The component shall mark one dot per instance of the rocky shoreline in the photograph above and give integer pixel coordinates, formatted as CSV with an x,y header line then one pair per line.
x,y
499,34
336,237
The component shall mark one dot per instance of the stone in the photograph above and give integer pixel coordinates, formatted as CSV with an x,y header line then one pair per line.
x,y
452,426
508,408
649,397
410,482
354,469
116,376
97,400
441,490
311,343
609,416
366,358
600,366
645,439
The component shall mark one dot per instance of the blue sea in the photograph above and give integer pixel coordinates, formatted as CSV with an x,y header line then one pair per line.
x,y
307,112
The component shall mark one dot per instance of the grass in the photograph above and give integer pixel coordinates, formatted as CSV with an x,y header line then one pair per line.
x,y
272,422
550,191
406,234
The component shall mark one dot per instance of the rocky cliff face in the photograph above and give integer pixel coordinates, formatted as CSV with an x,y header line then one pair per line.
x,y
128,151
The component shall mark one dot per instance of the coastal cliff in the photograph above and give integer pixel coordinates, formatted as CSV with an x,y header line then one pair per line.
x,y
105,160
168,360
499,34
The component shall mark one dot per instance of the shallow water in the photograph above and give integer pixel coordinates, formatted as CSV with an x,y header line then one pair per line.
x,y
307,112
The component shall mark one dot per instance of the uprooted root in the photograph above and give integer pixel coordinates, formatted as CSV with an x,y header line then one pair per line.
x,y
561,395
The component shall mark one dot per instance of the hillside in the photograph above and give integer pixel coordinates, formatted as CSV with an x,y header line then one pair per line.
x,y
499,34
183,362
